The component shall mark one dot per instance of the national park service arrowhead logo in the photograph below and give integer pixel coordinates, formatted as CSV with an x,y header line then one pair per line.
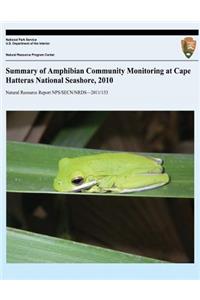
x,y
188,46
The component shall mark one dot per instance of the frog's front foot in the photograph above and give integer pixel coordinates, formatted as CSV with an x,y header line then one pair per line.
x,y
94,189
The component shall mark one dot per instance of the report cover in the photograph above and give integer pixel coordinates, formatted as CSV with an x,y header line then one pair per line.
x,y
100,153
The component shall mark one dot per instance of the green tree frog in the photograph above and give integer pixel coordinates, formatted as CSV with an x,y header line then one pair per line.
x,y
110,172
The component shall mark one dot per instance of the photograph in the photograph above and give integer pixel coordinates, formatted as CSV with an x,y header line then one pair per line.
x,y
100,187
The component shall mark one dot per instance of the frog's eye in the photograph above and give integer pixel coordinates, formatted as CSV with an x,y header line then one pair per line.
x,y
78,180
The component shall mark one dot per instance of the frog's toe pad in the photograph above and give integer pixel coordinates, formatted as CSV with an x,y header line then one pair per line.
x,y
158,160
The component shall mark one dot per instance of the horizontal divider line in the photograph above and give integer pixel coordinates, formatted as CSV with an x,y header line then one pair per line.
x,y
98,60
103,32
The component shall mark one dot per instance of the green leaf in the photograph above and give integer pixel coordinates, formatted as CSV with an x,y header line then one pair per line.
x,y
33,167
27,247
80,129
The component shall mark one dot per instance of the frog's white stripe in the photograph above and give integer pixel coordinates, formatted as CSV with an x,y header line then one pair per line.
x,y
84,186
145,188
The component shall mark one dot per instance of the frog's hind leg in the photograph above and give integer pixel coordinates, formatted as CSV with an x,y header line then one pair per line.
x,y
146,188
144,182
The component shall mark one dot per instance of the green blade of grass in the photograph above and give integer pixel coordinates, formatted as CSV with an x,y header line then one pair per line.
x,y
80,129
28,247
33,167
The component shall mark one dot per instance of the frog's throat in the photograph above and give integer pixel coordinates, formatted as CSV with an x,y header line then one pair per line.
x,y
84,186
